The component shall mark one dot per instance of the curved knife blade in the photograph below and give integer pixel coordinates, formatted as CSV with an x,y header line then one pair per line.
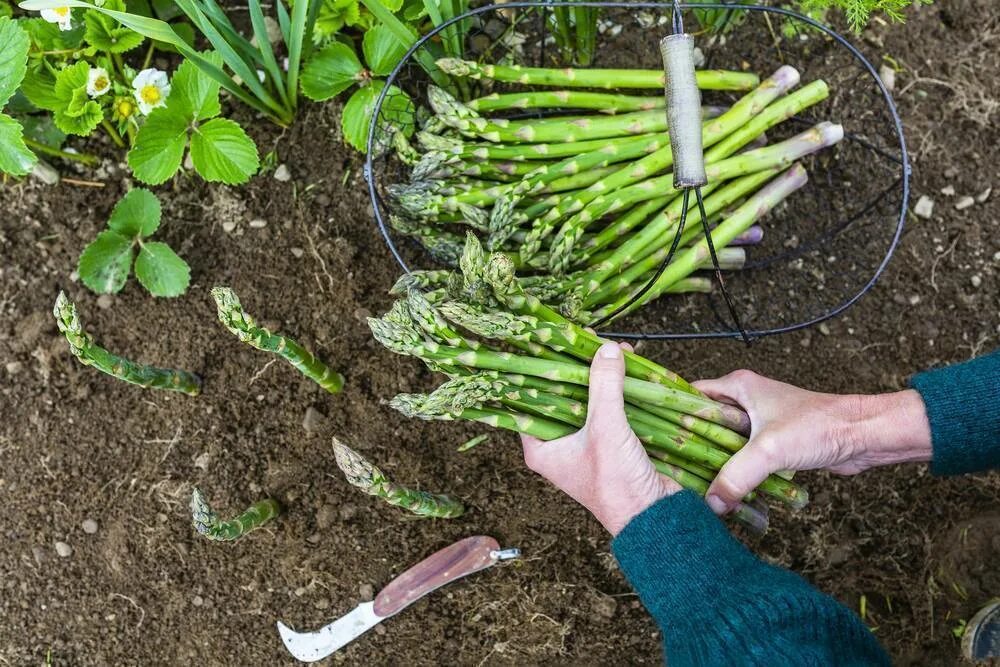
x,y
314,646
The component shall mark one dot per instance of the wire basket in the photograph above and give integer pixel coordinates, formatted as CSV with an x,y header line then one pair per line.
x,y
822,249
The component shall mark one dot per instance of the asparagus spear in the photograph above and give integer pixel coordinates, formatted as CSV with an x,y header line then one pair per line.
x,y
591,78
83,347
522,152
207,522
566,99
245,328
363,474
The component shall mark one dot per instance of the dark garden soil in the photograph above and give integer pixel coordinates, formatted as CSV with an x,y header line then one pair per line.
x,y
923,553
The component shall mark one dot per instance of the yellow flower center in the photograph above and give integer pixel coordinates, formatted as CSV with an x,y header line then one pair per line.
x,y
101,82
61,12
150,94
125,108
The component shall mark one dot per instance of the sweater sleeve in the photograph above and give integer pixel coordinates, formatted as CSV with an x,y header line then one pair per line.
x,y
963,407
717,604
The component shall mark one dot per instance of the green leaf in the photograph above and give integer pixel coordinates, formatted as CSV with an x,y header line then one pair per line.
x,y
39,87
330,72
161,271
13,57
15,158
222,151
79,117
48,37
104,264
397,109
383,50
42,129
158,148
136,214
193,93
106,34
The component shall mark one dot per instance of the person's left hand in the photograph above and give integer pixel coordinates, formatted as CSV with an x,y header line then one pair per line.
x,y
603,466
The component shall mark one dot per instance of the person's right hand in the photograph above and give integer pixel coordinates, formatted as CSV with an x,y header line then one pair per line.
x,y
796,429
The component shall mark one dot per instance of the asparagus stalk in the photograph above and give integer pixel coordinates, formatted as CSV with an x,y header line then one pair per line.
x,y
566,99
366,476
245,328
89,353
525,152
208,523
591,78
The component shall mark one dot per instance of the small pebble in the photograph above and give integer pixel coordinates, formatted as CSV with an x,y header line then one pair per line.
x,y
258,223
202,460
366,592
89,526
996,256
44,172
300,591
948,191
888,76
13,367
315,538
105,301
325,516
321,603
976,281
228,226
312,420
298,252
40,555
824,329
63,550
964,203
188,162
915,299
282,173
362,314
924,207
197,601
984,195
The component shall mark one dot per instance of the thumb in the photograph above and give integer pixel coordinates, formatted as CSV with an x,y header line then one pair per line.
x,y
606,404
740,475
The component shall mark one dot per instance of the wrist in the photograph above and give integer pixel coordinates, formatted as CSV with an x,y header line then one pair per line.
x,y
892,428
617,513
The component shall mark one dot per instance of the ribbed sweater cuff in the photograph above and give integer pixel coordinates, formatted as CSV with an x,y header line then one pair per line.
x,y
696,557
963,407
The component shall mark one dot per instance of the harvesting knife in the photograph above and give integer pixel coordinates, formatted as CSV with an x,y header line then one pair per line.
x,y
443,567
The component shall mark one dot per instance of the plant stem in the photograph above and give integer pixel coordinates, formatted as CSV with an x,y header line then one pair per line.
x,y
363,474
112,132
207,522
83,347
38,147
241,324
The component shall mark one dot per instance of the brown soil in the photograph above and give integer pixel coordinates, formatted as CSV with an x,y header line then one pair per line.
x,y
145,590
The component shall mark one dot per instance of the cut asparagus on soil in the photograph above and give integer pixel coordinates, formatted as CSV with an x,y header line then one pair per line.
x,y
582,202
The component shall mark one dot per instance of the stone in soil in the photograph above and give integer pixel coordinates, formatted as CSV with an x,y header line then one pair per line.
x,y
104,301
964,203
888,76
924,207
63,550
282,173
89,526
984,195
366,592
312,420
45,173
948,191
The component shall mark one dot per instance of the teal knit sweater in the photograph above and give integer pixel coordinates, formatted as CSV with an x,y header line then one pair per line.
x,y
717,604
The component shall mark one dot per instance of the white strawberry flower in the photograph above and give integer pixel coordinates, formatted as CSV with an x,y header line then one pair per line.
x,y
60,15
151,88
98,81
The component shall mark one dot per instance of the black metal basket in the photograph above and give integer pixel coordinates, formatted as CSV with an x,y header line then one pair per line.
x,y
823,248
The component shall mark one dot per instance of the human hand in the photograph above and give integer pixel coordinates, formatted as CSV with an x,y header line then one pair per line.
x,y
603,466
796,429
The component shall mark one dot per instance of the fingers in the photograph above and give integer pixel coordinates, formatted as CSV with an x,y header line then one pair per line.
x,y
627,347
740,475
607,383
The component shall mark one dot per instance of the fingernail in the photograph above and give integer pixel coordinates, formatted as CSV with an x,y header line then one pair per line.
x,y
717,504
610,351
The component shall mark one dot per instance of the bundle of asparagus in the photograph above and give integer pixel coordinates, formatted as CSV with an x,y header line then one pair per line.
x,y
584,204
467,329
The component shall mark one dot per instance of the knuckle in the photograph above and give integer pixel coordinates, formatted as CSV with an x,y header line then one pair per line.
x,y
743,376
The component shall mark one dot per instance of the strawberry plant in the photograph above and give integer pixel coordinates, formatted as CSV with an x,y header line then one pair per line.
x,y
106,263
15,158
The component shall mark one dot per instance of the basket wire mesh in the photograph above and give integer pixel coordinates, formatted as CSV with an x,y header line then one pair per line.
x,y
823,248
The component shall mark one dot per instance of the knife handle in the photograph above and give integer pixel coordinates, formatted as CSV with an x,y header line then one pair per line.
x,y
443,567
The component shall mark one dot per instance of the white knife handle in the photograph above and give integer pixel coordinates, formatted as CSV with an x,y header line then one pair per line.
x,y
453,562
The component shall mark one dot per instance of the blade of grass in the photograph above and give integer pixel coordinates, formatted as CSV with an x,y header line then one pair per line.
x,y
219,19
247,73
266,52
296,32
283,19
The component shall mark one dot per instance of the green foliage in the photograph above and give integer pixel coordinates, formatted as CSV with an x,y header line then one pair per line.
x,y
335,68
858,12
105,263
105,33
15,158
220,150
718,21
